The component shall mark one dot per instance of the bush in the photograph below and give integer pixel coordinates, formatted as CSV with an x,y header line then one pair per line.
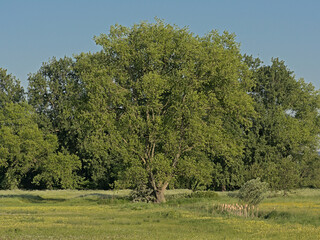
x,y
142,194
252,192
204,194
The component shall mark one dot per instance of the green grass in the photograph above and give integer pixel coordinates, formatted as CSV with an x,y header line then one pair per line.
x,y
67,214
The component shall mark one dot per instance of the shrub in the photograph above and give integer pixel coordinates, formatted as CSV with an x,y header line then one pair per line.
x,y
204,194
142,194
252,192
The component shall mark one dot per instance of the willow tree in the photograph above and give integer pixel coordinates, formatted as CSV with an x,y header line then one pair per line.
x,y
158,96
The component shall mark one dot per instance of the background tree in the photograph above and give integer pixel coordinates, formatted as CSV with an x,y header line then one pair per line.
x,y
56,93
10,88
25,150
194,172
286,133
27,153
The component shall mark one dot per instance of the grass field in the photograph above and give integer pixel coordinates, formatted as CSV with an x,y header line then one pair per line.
x,y
107,215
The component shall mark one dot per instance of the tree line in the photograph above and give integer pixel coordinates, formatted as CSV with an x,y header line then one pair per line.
x,y
159,107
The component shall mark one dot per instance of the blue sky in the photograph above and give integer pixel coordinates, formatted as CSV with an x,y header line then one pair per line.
x,y
33,31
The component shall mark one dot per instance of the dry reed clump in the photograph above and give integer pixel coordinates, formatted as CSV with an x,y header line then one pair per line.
x,y
244,210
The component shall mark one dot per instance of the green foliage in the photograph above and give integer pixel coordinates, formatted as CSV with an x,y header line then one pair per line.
x,y
59,96
195,172
252,192
56,93
228,173
10,88
26,150
284,175
59,171
204,194
310,171
285,134
158,108
142,194
163,98
23,143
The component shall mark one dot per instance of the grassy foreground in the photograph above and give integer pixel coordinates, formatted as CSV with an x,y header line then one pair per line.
x,y
103,215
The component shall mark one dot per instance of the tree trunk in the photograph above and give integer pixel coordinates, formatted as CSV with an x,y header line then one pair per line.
x,y
160,193
160,196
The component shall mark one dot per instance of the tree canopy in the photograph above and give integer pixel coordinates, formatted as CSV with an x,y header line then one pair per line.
x,y
167,95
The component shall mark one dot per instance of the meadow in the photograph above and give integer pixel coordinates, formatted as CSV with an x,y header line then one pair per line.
x,y
71,214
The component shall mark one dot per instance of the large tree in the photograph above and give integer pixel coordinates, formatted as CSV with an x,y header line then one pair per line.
x,y
158,96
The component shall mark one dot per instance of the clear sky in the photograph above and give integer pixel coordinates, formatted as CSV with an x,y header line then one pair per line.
x,y
33,31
